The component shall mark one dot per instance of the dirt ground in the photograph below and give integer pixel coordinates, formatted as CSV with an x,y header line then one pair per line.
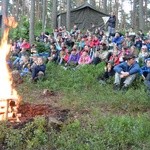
x,y
46,105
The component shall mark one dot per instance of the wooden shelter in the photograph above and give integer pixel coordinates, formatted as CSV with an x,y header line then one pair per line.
x,y
83,16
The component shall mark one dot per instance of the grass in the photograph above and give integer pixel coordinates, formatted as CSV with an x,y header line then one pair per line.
x,y
100,119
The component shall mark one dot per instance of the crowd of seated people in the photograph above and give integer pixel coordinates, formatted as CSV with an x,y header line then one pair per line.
x,y
124,55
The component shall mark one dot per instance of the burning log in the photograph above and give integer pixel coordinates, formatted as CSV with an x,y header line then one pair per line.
x,y
9,110
3,109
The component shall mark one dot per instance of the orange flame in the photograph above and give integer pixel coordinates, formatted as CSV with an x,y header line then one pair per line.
x,y
6,89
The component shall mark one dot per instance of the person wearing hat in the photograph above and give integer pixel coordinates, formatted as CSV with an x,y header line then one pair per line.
x,y
145,73
127,71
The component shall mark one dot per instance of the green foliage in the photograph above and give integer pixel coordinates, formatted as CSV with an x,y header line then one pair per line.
x,y
3,129
40,47
100,118
120,132
22,29
32,136
38,28
84,77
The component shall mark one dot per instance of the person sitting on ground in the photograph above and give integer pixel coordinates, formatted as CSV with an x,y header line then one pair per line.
x,y
128,41
14,49
144,54
104,43
25,45
133,50
138,43
109,72
145,72
33,50
74,30
53,54
82,44
64,56
118,40
114,56
38,70
84,59
127,71
96,57
24,66
73,58
33,61
18,59
123,53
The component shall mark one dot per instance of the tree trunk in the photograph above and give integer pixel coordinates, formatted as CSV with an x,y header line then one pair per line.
x,y
23,7
4,13
93,3
145,14
105,6
17,10
68,15
116,12
141,20
32,16
134,11
54,14
110,6
44,15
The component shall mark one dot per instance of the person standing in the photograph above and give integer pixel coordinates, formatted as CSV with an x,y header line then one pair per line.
x,y
111,24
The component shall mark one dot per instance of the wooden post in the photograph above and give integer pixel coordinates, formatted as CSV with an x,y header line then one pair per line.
x,y
4,104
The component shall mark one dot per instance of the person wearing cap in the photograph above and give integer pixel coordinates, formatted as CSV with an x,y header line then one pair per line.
x,y
145,73
127,71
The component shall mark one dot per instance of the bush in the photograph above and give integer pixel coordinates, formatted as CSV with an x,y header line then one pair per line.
x,y
32,136
114,133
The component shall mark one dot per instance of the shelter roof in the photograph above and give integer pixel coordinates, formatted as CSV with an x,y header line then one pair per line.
x,y
85,5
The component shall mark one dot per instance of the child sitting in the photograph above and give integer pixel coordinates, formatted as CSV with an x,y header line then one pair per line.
x,y
24,66
38,70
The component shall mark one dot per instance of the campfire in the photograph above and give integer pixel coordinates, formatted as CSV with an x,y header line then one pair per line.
x,y
9,99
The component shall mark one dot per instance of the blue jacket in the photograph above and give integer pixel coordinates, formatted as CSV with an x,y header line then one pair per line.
x,y
118,40
135,68
138,44
148,46
144,69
